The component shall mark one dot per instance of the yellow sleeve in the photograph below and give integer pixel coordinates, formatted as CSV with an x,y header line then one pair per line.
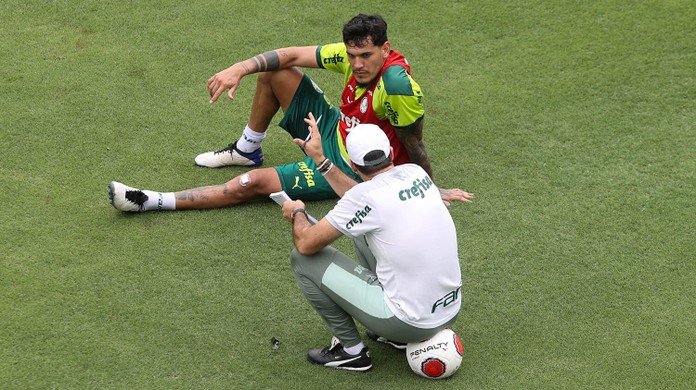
x,y
334,57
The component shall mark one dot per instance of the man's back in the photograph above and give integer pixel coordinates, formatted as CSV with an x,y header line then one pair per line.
x,y
413,238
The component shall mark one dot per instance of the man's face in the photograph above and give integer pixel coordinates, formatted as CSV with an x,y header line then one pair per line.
x,y
367,59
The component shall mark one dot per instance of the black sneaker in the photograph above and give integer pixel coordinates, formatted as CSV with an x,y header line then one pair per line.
x,y
395,344
336,357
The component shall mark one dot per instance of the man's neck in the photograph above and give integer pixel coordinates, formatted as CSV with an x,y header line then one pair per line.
x,y
365,177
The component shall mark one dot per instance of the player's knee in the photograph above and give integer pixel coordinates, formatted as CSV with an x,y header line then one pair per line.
x,y
296,260
257,182
279,78
264,77
293,256
269,77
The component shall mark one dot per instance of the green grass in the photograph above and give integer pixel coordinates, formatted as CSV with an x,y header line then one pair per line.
x,y
572,121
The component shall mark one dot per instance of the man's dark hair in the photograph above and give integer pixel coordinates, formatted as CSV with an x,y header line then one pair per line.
x,y
363,27
370,169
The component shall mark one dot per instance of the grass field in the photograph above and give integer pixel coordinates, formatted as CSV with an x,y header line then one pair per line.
x,y
572,121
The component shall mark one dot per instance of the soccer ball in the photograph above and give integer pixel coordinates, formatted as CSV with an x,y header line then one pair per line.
x,y
438,357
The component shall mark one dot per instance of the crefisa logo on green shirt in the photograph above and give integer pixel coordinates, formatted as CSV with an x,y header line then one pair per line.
x,y
391,114
333,60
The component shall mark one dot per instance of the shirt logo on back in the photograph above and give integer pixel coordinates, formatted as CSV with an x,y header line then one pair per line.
x,y
417,190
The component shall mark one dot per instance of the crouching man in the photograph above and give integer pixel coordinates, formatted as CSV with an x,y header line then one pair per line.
x,y
407,286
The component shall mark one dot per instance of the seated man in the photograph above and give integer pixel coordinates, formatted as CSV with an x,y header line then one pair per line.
x,y
408,284
378,88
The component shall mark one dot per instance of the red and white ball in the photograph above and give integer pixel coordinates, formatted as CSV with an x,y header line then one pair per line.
x,y
438,357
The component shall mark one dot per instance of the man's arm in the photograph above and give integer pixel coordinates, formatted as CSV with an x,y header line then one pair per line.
x,y
339,181
411,137
309,239
303,56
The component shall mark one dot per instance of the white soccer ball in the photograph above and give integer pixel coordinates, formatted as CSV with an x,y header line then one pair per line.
x,y
437,357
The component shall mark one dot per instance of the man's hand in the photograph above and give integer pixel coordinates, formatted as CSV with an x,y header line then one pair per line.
x,y
311,145
455,194
224,80
289,207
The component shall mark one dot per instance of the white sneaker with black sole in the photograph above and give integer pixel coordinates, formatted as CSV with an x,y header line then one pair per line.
x,y
335,356
126,198
230,156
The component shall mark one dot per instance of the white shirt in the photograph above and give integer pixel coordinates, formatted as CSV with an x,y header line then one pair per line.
x,y
413,238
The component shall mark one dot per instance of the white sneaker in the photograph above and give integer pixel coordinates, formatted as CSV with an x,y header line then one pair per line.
x,y
230,156
126,198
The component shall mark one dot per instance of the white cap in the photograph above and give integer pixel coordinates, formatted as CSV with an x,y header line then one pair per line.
x,y
367,145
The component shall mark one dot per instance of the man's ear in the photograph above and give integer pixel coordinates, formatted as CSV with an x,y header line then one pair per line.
x,y
386,49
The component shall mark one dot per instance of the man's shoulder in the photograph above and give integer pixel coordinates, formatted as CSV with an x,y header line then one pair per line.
x,y
398,97
359,190
363,192
396,81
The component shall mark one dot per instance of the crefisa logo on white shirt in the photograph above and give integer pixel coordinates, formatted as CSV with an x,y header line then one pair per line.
x,y
359,215
420,186
363,105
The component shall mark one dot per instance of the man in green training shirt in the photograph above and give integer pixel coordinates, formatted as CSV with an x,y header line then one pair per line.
x,y
378,89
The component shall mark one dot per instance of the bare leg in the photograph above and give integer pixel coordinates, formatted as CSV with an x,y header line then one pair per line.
x,y
273,90
262,182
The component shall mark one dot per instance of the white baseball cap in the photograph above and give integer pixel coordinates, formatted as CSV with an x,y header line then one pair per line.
x,y
367,145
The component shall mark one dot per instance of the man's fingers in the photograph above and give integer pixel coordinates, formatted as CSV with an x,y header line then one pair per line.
x,y
457,198
310,121
214,97
456,194
314,130
312,127
213,84
463,194
467,195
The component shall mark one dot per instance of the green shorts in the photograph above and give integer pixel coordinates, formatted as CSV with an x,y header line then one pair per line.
x,y
301,180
